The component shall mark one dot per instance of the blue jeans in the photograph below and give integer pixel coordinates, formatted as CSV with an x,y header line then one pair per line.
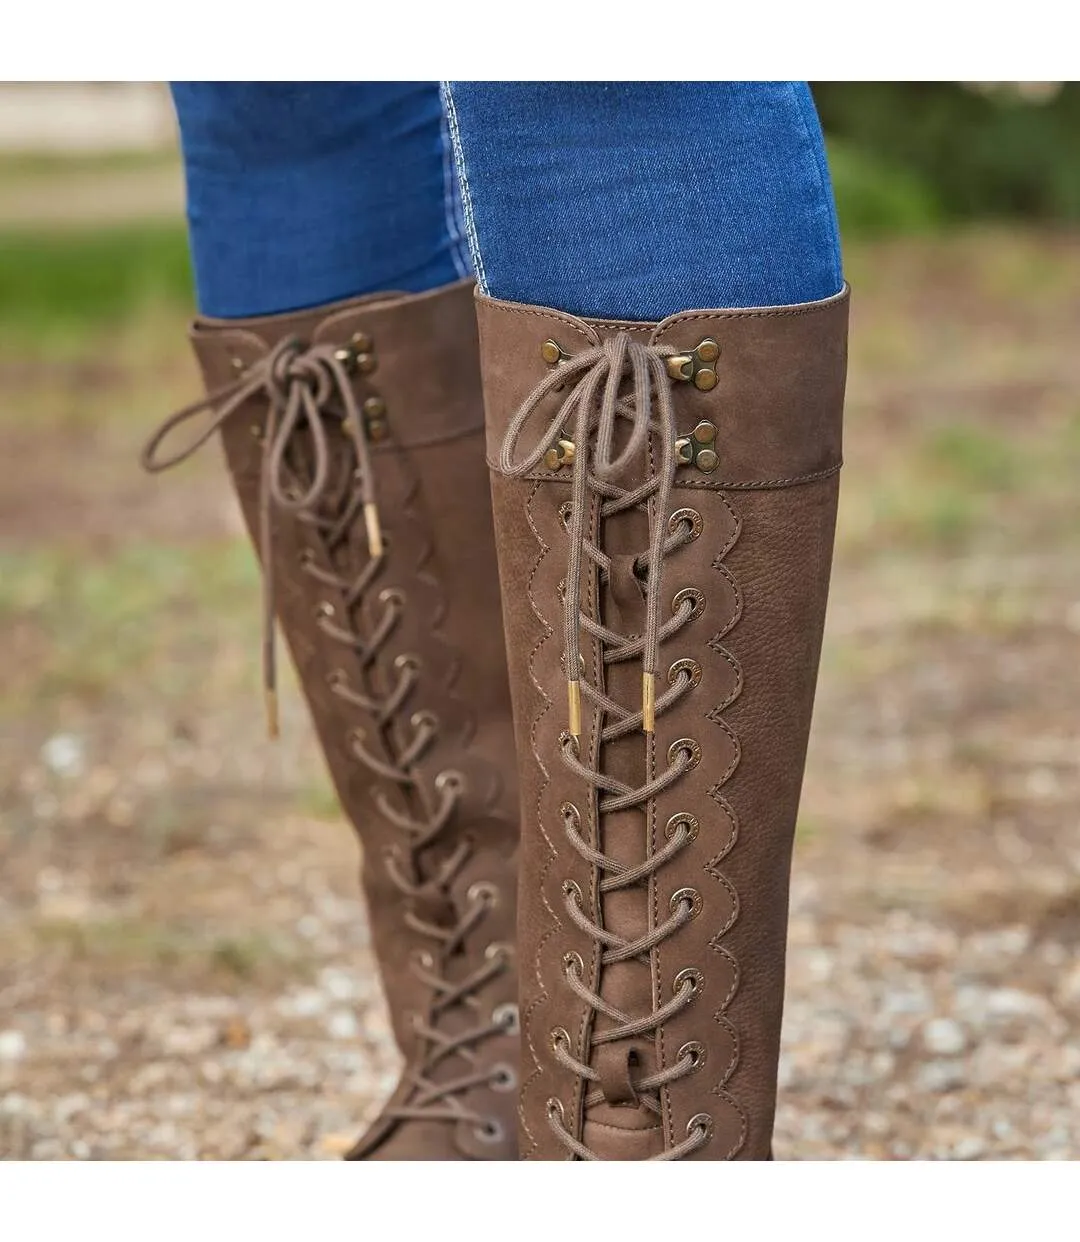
x,y
620,199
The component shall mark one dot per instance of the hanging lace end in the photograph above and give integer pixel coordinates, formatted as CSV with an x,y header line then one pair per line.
x,y
374,529
271,701
573,701
648,702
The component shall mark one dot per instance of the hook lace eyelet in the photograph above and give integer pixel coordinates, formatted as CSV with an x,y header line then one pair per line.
x,y
506,1016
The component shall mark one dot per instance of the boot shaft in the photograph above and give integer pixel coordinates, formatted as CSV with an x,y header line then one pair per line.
x,y
652,909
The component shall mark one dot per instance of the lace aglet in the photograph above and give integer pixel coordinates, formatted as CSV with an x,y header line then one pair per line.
x,y
374,529
648,702
270,699
573,700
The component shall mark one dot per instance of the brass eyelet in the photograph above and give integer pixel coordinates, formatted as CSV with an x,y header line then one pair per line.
x,y
305,557
489,1131
690,975
498,951
450,781
506,1017
566,738
502,1078
423,958
689,666
685,746
392,595
407,663
692,1051
324,608
701,1122
565,510
691,517
256,432
689,895
696,598
483,892
337,679
555,1111
685,818
573,890
424,719
569,811
573,961
560,1038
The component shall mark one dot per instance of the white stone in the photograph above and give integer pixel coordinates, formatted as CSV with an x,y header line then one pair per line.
x,y
342,1024
12,1045
63,754
944,1037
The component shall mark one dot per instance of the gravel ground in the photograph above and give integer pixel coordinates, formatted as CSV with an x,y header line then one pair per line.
x,y
184,965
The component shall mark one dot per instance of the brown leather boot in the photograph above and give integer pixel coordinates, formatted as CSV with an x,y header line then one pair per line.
x,y
665,496
354,437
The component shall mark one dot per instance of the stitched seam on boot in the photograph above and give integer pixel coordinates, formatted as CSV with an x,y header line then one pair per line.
x,y
526,1016
712,868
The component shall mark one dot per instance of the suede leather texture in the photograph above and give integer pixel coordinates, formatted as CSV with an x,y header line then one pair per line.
x,y
438,587
762,564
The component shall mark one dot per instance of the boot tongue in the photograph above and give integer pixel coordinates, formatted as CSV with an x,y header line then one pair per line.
x,y
621,1128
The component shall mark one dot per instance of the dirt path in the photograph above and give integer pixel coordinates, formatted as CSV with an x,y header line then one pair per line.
x,y
184,967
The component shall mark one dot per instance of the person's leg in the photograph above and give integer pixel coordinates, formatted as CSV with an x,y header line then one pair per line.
x,y
641,199
665,494
353,432
304,193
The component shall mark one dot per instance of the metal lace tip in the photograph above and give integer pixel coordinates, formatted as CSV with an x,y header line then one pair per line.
x,y
270,699
573,700
648,702
374,529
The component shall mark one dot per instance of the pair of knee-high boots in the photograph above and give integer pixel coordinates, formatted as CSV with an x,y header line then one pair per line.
x,y
566,708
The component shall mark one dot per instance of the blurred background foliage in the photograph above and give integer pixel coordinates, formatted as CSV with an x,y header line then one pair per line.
x,y
911,157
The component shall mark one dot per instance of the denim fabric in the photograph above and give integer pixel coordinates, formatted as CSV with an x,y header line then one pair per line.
x,y
300,193
629,199
638,199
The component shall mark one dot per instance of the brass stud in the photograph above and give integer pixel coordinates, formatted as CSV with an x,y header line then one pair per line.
x,y
365,363
374,407
698,448
708,350
362,343
237,364
705,379
551,352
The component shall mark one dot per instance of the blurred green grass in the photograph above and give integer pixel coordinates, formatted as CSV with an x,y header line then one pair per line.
x,y
70,283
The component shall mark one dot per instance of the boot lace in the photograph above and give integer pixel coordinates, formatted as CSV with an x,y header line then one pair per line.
x,y
619,389
305,476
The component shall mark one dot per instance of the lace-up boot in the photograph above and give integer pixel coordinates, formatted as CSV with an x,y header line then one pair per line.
x,y
665,497
354,437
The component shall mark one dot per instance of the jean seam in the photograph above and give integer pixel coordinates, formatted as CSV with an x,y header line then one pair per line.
x,y
819,160
458,247
450,112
